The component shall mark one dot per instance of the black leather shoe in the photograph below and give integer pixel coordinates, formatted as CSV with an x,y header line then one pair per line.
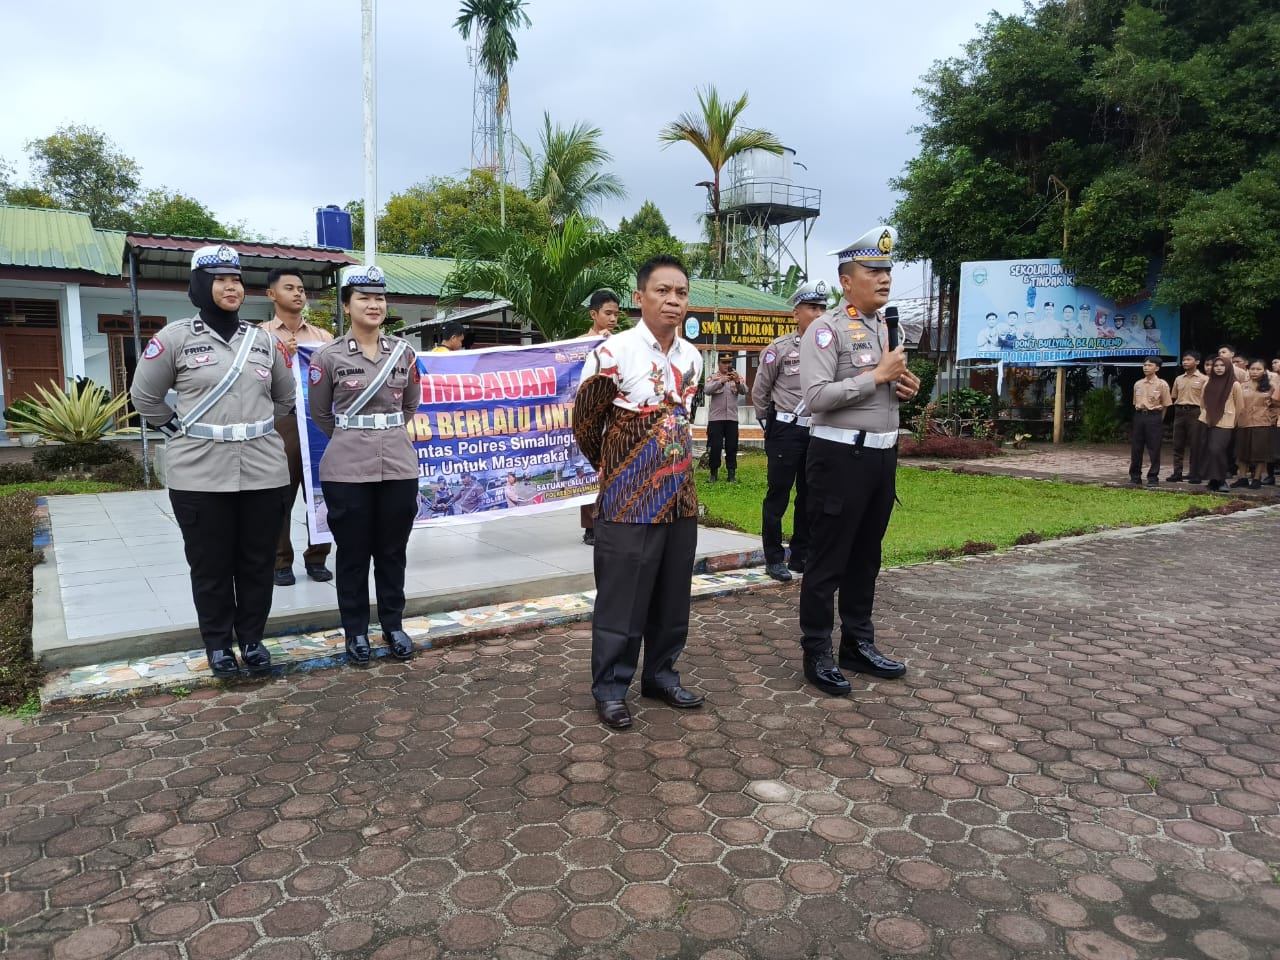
x,y
676,696
795,566
284,577
614,713
1194,480
589,536
358,649
1173,478
256,657
400,643
865,658
319,572
1269,481
1153,481
1242,482
222,663
778,571
823,673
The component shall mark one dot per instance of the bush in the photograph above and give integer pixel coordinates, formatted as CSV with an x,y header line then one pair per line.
x,y
927,371
1100,422
20,473
127,474
80,457
84,414
966,403
956,448
19,674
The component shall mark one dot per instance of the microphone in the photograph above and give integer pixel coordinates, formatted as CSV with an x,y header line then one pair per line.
x,y
891,321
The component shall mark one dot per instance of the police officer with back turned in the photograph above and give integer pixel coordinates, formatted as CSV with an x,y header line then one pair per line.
x,y
853,373
782,415
225,464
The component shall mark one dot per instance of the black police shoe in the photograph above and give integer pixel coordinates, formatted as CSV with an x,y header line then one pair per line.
x,y
614,713
865,658
823,673
400,643
778,571
358,649
795,566
222,663
673,696
256,657
319,572
1173,478
284,577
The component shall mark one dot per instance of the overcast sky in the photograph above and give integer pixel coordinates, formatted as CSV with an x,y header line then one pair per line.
x,y
254,108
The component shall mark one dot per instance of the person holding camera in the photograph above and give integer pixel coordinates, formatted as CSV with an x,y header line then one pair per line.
x,y
723,389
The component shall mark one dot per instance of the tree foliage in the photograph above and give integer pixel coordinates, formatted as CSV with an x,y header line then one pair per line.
x,y
647,234
81,168
1158,119
547,279
565,175
431,219
168,211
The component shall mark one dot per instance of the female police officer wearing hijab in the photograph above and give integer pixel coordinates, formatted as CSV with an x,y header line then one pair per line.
x,y
363,387
225,465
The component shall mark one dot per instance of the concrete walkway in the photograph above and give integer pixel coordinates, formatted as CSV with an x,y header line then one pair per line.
x,y
1083,761
116,583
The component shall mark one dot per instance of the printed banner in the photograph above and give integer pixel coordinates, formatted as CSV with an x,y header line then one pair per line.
x,y
1029,312
494,435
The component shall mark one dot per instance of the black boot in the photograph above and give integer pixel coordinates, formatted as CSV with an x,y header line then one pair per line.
x,y
733,476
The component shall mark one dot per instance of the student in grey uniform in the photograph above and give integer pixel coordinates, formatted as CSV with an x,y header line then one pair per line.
x,y
225,464
853,378
362,389
783,417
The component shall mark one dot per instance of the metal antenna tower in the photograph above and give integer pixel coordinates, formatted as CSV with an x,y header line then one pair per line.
x,y
484,115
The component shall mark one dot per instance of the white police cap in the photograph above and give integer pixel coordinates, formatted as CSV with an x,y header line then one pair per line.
x,y
872,249
368,279
815,291
216,258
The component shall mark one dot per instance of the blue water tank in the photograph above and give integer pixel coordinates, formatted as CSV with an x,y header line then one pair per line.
x,y
333,227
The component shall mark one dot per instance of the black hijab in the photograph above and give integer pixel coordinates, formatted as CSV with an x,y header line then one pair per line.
x,y
223,322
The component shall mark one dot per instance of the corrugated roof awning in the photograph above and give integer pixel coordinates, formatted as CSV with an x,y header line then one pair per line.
x,y
167,258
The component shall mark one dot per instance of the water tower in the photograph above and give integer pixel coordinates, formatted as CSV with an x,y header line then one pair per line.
x,y
767,217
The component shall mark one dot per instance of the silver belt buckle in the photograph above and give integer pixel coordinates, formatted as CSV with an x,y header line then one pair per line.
x,y
380,421
239,431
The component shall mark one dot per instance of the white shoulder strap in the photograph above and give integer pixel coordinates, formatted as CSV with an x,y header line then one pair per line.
x,y
376,383
220,389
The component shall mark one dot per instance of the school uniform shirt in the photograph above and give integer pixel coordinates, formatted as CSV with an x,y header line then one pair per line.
x,y
1255,407
1151,395
306,332
339,374
1188,389
631,420
838,356
188,357
1230,410
778,378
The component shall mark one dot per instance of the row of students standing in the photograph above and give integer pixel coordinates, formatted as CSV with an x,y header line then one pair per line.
x,y
227,469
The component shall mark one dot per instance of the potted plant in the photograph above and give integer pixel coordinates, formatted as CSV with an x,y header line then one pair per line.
x,y
20,418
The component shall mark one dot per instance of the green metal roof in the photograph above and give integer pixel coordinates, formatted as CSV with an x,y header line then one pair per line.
x,y
57,240
410,276
733,296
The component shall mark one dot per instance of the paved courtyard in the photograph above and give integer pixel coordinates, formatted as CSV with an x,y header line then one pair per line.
x,y
1083,761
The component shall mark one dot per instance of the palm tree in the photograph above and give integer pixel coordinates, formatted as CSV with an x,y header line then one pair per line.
x,y
565,176
713,135
547,281
495,23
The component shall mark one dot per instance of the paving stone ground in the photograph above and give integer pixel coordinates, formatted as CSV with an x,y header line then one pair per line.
x,y
1083,762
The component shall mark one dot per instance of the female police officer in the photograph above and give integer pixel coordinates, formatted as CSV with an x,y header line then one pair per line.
x,y
225,465
362,388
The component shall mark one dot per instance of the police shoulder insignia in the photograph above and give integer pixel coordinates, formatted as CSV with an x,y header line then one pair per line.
x,y
154,349
315,375
769,356
823,337
852,311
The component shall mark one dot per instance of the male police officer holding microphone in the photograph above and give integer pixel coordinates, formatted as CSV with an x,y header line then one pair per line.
x,y
853,373
783,416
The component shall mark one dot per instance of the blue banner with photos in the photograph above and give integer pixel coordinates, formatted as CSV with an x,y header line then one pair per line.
x,y
494,435
1030,312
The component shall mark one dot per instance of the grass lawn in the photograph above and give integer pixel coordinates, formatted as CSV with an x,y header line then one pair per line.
x,y
942,510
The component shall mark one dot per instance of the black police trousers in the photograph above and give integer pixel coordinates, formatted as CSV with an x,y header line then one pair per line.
x,y
723,435
230,542
785,445
370,521
851,494
644,574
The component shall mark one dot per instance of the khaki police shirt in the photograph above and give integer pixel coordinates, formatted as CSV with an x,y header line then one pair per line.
x,y
838,356
1151,396
723,393
339,373
1188,389
778,377
190,359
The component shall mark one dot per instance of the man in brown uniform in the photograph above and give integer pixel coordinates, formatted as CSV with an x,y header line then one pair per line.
x,y
1188,433
286,291
1150,400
